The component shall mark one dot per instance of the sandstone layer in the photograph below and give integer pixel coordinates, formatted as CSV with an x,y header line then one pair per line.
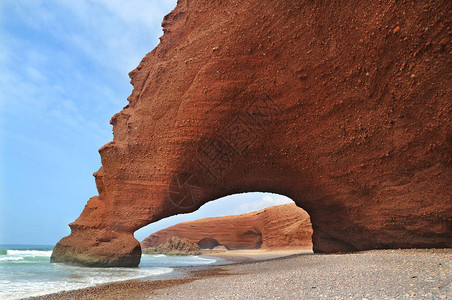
x,y
343,107
279,226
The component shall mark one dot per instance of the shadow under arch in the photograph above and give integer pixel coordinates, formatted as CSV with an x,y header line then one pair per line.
x,y
208,243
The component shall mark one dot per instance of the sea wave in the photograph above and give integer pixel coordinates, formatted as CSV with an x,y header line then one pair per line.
x,y
11,255
11,258
28,272
29,252
205,260
158,255
80,278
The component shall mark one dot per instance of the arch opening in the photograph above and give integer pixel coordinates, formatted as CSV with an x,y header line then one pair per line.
x,y
237,222
207,243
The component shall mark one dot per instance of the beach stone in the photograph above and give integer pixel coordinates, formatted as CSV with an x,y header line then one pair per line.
x,y
283,105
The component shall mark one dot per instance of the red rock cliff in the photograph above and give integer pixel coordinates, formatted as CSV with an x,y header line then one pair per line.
x,y
274,227
345,107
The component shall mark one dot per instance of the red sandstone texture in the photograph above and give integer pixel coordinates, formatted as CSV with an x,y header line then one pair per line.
x,y
343,107
280,226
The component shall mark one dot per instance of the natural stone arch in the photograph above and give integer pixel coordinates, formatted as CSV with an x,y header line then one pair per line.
x,y
208,243
323,103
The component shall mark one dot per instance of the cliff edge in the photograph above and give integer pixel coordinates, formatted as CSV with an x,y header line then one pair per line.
x,y
343,107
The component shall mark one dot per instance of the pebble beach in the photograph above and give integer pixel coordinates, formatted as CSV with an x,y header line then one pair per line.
x,y
377,274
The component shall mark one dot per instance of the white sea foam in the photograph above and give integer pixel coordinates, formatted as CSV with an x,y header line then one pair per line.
x,y
79,278
205,260
11,258
22,255
29,252
28,272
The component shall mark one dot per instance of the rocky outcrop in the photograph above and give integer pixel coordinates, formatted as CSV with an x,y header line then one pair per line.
x,y
279,226
174,245
345,108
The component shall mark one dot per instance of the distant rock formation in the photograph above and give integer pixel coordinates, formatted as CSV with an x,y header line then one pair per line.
x,y
279,226
175,245
205,243
220,248
345,108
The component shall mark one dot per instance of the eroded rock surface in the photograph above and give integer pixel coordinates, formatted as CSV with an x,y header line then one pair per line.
x,y
174,245
343,108
275,227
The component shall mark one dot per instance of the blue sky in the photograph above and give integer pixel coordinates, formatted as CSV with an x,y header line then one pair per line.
x,y
63,74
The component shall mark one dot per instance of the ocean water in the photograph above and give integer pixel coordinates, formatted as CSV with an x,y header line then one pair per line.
x,y
25,270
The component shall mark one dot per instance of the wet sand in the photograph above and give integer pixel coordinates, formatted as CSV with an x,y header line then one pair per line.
x,y
378,274
241,256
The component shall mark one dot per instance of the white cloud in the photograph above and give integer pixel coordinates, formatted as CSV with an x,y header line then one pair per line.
x,y
63,74
34,74
77,52
267,200
136,11
120,32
